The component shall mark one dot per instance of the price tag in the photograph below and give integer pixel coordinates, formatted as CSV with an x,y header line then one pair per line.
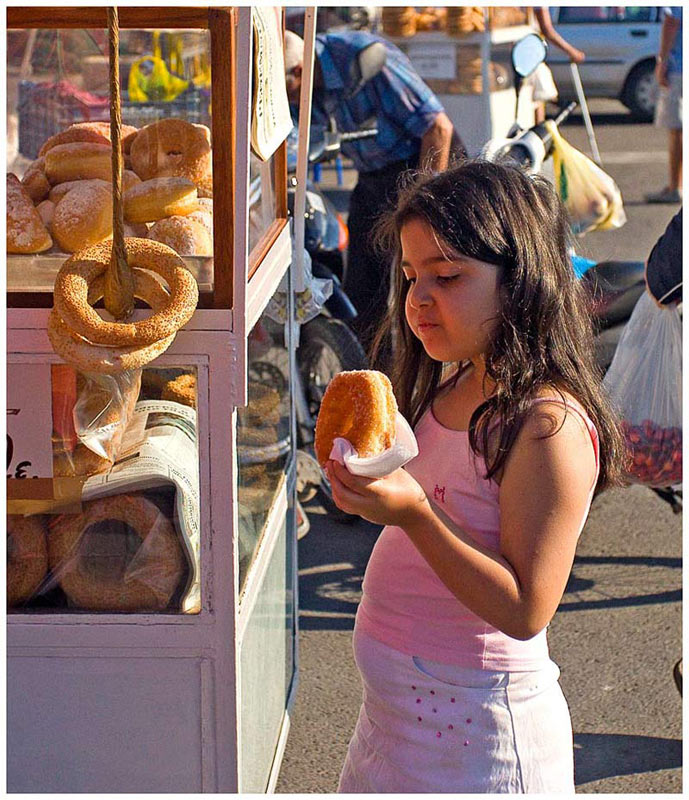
x,y
29,421
434,61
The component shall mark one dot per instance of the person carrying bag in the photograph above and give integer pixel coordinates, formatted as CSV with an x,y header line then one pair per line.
x,y
645,376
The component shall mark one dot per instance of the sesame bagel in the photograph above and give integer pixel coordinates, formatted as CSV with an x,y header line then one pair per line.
x,y
78,273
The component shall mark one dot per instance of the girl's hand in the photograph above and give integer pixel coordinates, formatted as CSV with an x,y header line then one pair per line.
x,y
396,499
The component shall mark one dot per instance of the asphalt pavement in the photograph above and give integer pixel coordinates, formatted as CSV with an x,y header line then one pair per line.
x,y
617,633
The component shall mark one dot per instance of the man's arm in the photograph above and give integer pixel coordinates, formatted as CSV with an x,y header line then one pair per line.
x,y
435,144
668,33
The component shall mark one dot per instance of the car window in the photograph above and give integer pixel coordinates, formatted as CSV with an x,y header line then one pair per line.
x,y
588,14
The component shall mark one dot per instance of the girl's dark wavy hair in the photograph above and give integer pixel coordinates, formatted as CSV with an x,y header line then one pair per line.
x,y
544,335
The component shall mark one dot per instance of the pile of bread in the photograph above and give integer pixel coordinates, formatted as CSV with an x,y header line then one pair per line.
x,y
405,21
64,199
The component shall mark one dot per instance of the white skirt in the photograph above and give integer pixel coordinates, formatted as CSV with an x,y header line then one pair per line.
x,y
430,727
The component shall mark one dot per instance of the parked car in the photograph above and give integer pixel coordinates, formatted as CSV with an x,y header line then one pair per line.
x,y
620,43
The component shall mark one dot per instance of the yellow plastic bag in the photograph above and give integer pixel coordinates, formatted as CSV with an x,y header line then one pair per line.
x,y
591,197
159,84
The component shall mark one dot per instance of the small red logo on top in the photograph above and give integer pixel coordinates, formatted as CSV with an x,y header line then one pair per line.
x,y
439,494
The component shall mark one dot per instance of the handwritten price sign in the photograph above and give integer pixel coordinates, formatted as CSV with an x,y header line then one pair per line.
x,y
29,421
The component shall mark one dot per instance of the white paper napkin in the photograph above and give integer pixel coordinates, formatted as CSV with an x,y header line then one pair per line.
x,y
402,451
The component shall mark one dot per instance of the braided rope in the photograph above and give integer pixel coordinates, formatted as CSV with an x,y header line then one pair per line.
x,y
119,282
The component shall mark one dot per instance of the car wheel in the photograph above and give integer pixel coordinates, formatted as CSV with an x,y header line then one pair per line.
x,y
641,91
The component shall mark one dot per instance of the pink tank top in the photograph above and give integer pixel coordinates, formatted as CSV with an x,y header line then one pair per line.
x,y
405,604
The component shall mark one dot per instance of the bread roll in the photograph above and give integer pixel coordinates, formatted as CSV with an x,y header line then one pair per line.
x,y
46,209
83,216
78,161
158,198
185,236
35,181
358,406
26,232
93,132
129,179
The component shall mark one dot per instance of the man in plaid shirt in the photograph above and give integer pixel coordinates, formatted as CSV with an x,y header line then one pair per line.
x,y
413,132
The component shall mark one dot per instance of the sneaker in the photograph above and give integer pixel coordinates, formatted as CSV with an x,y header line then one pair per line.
x,y
664,196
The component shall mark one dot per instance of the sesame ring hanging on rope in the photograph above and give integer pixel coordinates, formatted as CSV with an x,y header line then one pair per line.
x,y
79,272
99,358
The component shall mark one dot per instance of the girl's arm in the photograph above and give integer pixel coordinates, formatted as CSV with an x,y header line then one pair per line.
x,y
543,497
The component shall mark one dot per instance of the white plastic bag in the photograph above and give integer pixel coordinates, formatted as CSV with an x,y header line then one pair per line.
x,y
645,383
103,410
544,88
591,197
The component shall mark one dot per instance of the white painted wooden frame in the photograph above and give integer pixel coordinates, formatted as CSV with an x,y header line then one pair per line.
x,y
216,343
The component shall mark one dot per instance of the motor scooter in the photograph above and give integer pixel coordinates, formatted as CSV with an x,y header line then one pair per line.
x,y
613,286
327,345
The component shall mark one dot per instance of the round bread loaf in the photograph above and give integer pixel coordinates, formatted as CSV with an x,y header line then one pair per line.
x,y
158,198
185,236
171,148
83,217
358,406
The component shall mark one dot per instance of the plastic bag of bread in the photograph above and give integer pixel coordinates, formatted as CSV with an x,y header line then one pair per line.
x,y
359,425
120,553
104,408
90,415
592,198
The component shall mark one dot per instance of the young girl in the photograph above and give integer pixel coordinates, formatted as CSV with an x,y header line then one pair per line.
x,y
495,371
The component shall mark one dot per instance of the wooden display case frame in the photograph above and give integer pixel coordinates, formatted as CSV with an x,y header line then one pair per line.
x,y
221,22
200,654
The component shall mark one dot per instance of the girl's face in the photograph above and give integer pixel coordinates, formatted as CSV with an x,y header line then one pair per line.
x,y
453,301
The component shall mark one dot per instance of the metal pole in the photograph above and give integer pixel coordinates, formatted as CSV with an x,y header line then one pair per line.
x,y
303,148
585,111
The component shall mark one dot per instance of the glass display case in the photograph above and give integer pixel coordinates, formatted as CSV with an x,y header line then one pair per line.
x,y
127,459
151,524
57,78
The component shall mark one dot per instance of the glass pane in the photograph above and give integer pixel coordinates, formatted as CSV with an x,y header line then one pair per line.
x,y
265,653
263,433
120,529
262,199
633,13
57,79
583,14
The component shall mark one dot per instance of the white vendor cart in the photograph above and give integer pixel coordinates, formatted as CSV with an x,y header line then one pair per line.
x,y
194,694
472,77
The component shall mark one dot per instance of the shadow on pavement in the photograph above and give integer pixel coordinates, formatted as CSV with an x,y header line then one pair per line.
x,y
576,119
606,755
332,562
333,558
579,583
